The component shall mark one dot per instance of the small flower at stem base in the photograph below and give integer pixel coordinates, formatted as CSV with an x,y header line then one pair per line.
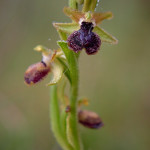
x,y
89,119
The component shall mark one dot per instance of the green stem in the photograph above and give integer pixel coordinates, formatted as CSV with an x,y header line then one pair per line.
x,y
86,6
73,66
72,123
89,5
73,104
93,5
73,4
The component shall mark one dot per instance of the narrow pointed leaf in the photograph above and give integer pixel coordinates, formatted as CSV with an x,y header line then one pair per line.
x,y
73,14
66,27
55,120
105,37
57,73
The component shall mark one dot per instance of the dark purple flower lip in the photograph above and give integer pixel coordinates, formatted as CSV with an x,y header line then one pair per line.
x,y
36,72
84,38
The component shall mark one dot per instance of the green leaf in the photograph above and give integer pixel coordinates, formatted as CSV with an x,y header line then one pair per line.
x,y
64,123
57,71
55,119
105,37
70,137
67,27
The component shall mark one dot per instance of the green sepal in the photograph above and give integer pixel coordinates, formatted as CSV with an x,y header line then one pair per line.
x,y
57,70
99,17
66,27
74,14
44,50
105,37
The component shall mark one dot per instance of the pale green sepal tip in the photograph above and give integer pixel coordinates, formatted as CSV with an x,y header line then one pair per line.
x,y
104,36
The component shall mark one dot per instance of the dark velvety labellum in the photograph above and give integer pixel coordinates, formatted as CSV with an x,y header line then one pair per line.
x,y
90,119
84,38
92,44
74,41
86,26
36,73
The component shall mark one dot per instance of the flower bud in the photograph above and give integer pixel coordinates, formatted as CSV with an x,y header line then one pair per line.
x,y
36,73
89,119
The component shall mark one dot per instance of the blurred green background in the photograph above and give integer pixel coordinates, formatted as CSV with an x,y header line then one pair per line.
x,y
116,80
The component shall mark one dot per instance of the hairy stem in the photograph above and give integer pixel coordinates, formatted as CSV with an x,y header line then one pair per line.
x,y
74,95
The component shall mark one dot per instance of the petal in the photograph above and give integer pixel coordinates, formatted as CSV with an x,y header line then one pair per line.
x,y
99,17
105,37
73,14
67,27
